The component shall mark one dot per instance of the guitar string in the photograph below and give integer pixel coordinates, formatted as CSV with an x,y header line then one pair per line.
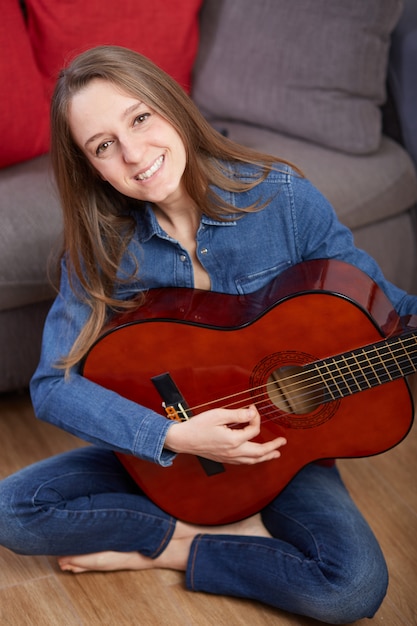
x,y
378,374
312,379
302,376
357,372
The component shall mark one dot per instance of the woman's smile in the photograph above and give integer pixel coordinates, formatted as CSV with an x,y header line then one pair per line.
x,y
152,170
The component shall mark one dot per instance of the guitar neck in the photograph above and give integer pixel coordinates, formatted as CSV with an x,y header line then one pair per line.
x,y
366,367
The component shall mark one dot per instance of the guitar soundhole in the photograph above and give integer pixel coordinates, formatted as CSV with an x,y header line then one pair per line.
x,y
293,390
296,399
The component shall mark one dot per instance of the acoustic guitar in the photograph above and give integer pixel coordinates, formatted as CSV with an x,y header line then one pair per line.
x,y
320,352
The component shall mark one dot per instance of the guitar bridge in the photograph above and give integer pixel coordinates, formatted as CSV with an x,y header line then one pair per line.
x,y
178,410
178,414
173,402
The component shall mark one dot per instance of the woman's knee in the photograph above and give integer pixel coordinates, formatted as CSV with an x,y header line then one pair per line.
x,y
15,513
21,514
357,593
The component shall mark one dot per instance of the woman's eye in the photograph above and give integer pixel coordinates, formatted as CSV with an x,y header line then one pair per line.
x,y
139,119
103,147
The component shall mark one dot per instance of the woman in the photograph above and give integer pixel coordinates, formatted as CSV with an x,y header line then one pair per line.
x,y
154,197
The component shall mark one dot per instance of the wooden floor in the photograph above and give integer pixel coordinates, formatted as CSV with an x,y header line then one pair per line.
x,y
34,592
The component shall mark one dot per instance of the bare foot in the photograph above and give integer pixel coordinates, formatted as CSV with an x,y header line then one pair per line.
x,y
103,562
175,555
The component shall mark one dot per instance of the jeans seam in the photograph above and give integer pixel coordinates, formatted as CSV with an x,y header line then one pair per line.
x,y
193,558
165,540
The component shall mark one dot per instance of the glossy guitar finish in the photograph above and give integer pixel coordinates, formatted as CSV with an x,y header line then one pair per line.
x,y
294,348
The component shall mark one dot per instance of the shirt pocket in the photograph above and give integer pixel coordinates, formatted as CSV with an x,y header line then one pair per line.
x,y
256,280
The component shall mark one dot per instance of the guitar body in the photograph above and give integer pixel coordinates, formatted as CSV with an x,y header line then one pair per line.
x,y
221,350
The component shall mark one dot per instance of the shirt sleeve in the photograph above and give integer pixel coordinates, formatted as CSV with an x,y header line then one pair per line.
x,y
83,408
320,234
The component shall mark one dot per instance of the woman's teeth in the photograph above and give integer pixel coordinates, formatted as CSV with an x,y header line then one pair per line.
x,y
154,168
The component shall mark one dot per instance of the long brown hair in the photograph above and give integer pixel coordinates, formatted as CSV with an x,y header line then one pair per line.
x,y
96,227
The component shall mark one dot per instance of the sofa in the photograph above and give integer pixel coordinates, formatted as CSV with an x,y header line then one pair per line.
x,y
326,84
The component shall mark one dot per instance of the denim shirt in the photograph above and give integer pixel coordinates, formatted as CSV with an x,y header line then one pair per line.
x,y
240,255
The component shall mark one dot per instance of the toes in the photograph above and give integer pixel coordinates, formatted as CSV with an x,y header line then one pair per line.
x,y
67,566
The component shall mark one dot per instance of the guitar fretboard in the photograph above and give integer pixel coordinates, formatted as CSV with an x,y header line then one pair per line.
x,y
366,367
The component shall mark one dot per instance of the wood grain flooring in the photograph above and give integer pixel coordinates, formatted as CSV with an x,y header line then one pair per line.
x,y
34,592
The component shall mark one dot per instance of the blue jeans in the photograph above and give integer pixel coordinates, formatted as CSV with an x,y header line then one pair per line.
x,y
323,560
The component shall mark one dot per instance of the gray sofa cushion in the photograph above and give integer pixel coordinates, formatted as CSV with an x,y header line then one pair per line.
x,y
403,75
30,223
329,59
20,339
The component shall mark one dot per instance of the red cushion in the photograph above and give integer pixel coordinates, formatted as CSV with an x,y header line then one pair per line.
x,y
24,110
165,31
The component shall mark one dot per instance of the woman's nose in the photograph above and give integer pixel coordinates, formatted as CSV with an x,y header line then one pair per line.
x,y
131,151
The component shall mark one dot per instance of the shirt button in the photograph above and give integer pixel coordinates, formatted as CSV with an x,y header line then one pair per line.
x,y
183,257
203,250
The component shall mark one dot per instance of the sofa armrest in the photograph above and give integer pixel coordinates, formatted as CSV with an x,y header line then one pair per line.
x,y
402,75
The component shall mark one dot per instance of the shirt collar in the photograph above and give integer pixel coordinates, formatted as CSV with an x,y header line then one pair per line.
x,y
148,226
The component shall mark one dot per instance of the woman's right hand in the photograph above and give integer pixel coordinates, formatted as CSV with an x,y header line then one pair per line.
x,y
214,435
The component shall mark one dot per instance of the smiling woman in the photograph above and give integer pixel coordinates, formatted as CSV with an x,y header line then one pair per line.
x,y
154,197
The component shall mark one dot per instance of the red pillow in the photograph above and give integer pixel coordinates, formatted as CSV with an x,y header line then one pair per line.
x,y
165,31
24,109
